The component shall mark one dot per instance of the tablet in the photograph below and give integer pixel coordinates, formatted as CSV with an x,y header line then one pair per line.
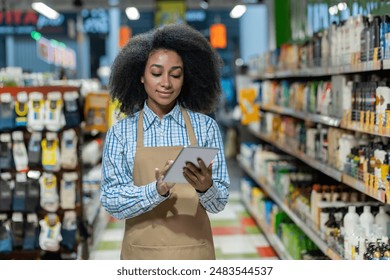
x,y
188,153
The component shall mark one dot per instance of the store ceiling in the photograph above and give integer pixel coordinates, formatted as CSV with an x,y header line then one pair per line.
x,y
72,5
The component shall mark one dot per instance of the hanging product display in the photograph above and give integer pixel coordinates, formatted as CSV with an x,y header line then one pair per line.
x,y
21,109
19,151
50,235
49,194
7,117
51,152
68,190
5,235
96,112
40,185
69,158
5,195
36,109
69,230
17,229
72,109
35,149
19,193
54,117
31,232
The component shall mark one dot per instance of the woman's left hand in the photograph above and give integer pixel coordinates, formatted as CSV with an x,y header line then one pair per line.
x,y
198,177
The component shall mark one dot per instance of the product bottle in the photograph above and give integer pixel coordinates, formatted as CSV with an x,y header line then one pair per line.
x,y
382,219
385,167
366,219
351,220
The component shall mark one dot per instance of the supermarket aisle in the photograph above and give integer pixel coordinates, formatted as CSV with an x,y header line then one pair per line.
x,y
235,233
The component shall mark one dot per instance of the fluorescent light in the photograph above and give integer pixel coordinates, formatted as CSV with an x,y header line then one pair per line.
x,y
204,4
132,13
45,10
342,6
333,10
237,11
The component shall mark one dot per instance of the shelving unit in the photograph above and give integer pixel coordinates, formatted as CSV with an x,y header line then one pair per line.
x,y
292,76
324,168
312,234
272,238
79,249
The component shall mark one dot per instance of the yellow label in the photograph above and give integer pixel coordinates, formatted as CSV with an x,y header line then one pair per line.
x,y
372,180
387,119
380,121
361,119
366,180
387,192
372,119
375,57
49,154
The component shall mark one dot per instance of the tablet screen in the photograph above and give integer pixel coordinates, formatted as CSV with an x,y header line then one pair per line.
x,y
175,172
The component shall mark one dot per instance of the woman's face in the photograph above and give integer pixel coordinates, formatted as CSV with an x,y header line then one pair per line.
x,y
163,79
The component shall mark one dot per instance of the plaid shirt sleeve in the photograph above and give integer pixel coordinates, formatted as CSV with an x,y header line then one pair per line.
x,y
119,196
216,197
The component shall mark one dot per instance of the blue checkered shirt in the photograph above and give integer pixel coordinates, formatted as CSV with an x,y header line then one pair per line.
x,y
120,197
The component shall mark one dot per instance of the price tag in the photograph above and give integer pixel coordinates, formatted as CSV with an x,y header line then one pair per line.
x,y
361,119
366,180
372,119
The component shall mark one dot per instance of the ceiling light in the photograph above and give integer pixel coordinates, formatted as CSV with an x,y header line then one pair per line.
x,y
204,4
132,13
342,6
237,11
45,10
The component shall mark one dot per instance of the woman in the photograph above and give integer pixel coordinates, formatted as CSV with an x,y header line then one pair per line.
x,y
166,81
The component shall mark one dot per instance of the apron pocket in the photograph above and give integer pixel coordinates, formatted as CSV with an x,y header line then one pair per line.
x,y
202,251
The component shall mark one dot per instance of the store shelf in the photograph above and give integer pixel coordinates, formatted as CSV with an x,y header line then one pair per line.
x,y
330,121
322,167
386,64
359,185
373,130
313,235
273,239
324,71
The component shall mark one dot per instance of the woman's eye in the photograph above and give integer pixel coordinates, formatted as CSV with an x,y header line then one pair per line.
x,y
156,74
176,76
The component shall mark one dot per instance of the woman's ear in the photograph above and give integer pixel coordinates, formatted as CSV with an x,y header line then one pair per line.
x,y
142,79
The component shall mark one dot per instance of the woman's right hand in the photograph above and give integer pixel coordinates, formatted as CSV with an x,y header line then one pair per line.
x,y
163,188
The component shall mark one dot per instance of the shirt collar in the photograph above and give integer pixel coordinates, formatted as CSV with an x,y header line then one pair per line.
x,y
150,116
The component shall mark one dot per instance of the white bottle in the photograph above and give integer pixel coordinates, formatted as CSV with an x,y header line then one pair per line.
x,y
367,219
351,220
382,219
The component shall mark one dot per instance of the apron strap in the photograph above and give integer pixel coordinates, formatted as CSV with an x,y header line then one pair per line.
x,y
140,130
190,129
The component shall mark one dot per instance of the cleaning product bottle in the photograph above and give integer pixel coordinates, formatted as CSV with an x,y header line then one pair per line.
x,y
350,221
382,219
366,219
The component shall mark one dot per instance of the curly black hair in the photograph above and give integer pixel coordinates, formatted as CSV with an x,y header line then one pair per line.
x,y
201,86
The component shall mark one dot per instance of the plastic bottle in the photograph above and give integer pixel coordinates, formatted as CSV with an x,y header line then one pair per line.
x,y
351,220
382,219
366,219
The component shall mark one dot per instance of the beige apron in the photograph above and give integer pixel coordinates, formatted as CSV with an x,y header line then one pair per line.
x,y
179,227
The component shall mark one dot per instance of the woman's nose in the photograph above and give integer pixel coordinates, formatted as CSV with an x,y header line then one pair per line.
x,y
165,82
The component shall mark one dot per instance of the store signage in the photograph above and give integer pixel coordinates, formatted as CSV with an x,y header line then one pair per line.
x,y
17,22
54,52
170,11
95,21
218,36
